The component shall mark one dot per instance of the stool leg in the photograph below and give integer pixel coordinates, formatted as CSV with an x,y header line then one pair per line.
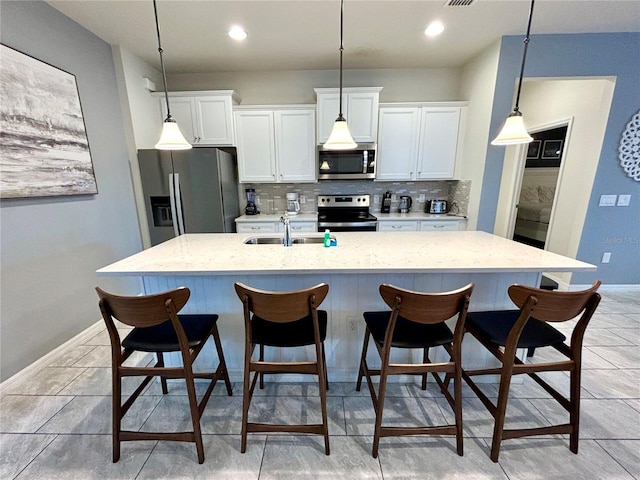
x,y
574,405
163,380
195,413
501,407
261,358
365,346
425,359
322,376
324,364
222,362
116,412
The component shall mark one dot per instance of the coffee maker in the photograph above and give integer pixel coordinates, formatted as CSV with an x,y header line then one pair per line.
x,y
293,206
251,208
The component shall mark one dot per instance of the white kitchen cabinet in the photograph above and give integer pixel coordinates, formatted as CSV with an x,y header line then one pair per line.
x,y
398,226
443,225
300,227
276,145
256,227
205,118
359,107
418,142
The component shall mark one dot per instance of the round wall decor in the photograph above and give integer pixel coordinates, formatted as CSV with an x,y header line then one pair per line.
x,y
629,149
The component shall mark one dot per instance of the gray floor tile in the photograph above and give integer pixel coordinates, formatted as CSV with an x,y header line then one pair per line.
x,y
71,356
631,335
27,413
598,337
599,419
48,381
18,450
625,452
614,320
612,384
179,387
100,356
86,457
97,381
621,357
92,415
590,360
633,403
398,412
544,459
302,457
425,458
528,388
222,459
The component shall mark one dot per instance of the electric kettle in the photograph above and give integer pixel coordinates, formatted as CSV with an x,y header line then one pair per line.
x,y
405,204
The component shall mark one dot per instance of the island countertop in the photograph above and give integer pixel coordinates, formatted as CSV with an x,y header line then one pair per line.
x,y
356,252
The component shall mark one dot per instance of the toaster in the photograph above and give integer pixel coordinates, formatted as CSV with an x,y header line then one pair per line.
x,y
436,206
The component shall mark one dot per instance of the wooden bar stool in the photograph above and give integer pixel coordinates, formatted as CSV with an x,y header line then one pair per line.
x,y
283,319
503,332
416,321
158,328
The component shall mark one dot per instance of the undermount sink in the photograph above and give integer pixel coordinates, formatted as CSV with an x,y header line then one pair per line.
x,y
280,240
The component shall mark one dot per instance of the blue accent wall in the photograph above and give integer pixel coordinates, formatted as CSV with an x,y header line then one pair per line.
x,y
615,230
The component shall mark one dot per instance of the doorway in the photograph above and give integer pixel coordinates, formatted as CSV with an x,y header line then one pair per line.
x,y
538,186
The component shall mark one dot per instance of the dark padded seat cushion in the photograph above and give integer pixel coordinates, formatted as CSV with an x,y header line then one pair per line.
x,y
292,334
163,338
407,334
495,326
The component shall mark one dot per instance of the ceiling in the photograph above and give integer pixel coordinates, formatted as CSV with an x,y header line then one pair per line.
x,y
305,35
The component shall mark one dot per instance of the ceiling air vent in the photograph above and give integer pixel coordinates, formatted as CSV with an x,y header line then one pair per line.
x,y
458,3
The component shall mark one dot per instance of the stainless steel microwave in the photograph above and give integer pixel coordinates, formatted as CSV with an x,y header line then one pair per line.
x,y
359,163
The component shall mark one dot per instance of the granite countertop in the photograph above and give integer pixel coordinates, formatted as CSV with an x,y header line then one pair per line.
x,y
357,252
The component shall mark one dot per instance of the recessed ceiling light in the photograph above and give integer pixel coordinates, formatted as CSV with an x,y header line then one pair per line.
x,y
435,28
237,33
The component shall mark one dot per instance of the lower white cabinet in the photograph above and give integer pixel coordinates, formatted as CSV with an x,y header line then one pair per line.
x,y
444,225
300,227
400,226
256,227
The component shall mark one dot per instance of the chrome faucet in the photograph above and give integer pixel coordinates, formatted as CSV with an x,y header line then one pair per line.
x,y
287,230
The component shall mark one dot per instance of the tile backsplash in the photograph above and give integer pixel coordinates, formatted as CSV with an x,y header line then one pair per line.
x,y
272,196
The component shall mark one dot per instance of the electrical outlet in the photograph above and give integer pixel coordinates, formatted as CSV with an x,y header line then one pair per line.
x,y
376,199
606,257
624,200
607,200
303,199
352,323
422,197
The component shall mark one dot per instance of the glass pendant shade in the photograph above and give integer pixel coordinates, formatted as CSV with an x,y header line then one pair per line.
x,y
340,138
172,138
513,132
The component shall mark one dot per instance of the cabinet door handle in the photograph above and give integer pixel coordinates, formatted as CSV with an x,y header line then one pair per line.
x,y
396,226
438,226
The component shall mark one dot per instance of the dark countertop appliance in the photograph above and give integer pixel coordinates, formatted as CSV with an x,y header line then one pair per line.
x,y
345,213
386,202
436,206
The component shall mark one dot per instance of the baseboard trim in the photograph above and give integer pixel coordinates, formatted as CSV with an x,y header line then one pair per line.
x,y
45,360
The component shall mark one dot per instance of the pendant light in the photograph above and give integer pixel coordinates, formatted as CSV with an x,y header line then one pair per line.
x,y
171,137
340,138
514,132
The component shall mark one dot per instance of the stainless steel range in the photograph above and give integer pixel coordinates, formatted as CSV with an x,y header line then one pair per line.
x,y
345,213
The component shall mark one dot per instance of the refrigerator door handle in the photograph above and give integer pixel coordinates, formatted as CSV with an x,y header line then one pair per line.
x,y
176,178
172,199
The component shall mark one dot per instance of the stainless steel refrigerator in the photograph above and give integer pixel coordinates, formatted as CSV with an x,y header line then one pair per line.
x,y
189,191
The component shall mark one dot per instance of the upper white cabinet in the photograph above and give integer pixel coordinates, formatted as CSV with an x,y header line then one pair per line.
x,y
276,145
205,118
419,142
359,107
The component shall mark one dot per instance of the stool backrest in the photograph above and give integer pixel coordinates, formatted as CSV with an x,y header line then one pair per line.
x,y
554,306
282,307
424,308
142,311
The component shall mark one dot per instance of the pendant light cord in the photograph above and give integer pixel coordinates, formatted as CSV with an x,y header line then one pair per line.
x,y
524,57
340,117
164,75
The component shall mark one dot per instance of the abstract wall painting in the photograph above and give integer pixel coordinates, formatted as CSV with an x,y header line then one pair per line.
x,y
44,150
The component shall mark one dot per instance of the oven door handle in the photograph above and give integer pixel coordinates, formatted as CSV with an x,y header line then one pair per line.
x,y
346,224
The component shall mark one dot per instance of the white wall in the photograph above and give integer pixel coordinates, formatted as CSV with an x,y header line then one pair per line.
x,y
477,86
291,87
586,102
51,247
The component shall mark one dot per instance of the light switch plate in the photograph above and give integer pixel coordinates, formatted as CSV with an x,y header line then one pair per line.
x,y
422,197
608,200
606,257
624,200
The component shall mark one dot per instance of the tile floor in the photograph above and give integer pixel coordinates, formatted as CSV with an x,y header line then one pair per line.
x,y
57,423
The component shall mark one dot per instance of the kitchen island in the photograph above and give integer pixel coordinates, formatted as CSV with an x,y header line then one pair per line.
x,y
209,264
